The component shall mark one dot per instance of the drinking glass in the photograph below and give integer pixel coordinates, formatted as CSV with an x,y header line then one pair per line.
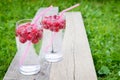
x,y
55,24
29,62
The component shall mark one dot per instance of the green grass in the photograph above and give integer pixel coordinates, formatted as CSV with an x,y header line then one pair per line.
x,y
102,23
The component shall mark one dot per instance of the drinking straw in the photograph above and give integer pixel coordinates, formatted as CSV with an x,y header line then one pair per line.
x,y
34,21
65,10
36,18
51,41
25,53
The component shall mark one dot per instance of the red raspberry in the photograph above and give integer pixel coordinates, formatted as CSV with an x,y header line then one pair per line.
x,y
61,26
51,28
44,21
39,35
29,37
22,40
54,16
18,30
56,29
34,41
24,34
56,24
49,23
45,26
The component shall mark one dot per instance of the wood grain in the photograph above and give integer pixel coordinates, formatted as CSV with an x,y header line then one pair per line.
x,y
77,63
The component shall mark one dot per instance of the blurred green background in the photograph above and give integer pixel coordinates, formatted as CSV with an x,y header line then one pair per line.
x,y
102,23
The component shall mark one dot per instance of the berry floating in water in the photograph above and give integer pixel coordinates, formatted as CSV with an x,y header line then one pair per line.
x,y
28,32
53,23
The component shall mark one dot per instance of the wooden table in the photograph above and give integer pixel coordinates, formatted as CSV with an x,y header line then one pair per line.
x,y
77,63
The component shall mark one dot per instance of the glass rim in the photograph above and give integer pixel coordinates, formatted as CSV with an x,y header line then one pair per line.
x,y
22,20
63,17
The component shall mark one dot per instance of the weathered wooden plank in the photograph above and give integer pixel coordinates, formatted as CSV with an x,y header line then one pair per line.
x,y
83,59
77,63
13,73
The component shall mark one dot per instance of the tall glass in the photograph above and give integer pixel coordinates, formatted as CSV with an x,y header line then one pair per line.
x,y
28,63
55,24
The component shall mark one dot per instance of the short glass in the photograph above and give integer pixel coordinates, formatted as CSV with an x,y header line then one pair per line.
x,y
27,37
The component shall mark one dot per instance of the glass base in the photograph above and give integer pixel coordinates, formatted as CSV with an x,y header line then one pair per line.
x,y
53,57
30,69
